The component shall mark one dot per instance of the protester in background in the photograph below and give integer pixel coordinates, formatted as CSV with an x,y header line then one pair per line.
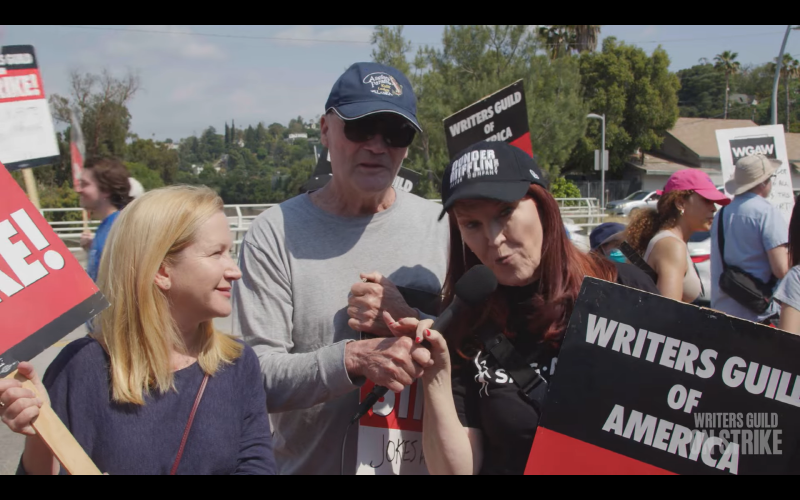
x,y
606,238
507,221
127,392
297,304
756,237
104,190
137,189
788,292
686,206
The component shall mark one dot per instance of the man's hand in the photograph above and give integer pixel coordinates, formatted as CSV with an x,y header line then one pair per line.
x,y
390,362
368,300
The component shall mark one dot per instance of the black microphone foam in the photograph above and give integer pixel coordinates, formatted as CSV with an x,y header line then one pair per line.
x,y
476,285
473,288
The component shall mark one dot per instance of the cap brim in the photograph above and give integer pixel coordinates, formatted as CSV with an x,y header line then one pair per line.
x,y
714,195
356,110
507,191
736,190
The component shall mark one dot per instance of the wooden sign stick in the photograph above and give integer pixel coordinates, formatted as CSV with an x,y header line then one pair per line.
x,y
58,438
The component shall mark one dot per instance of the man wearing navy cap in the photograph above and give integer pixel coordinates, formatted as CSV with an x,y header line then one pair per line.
x,y
321,267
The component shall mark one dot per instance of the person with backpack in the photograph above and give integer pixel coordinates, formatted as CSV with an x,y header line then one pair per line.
x,y
749,244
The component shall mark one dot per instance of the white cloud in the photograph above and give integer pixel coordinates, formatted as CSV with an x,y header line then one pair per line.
x,y
304,32
649,30
146,43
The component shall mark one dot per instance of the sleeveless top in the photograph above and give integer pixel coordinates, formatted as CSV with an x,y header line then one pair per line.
x,y
691,281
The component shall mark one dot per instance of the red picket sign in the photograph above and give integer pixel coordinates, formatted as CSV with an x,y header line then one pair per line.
x,y
44,292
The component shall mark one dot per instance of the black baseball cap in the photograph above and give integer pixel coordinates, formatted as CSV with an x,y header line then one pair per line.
x,y
490,170
368,88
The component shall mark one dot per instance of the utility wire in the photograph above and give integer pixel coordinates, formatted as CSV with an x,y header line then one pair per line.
x,y
363,42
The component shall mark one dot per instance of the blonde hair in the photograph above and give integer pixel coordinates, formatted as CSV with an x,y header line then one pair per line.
x,y
138,330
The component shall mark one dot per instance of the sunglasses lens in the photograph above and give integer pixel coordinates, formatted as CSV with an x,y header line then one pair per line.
x,y
396,131
399,135
360,130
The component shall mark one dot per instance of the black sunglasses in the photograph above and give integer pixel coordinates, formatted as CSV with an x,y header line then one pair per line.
x,y
396,131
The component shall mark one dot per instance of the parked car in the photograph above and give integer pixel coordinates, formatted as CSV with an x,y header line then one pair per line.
x,y
574,233
639,199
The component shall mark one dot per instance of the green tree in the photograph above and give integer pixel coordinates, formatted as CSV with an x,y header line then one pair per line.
x,y
102,101
156,156
728,65
297,125
390,47
142,173
790,68
702,90
638,95
477,61
563,39
563,188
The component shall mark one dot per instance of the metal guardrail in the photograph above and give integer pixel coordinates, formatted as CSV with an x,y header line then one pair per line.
x,y
241,217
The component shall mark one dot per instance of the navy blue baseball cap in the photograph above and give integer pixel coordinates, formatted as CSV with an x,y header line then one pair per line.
x,y
490,170
604,233
368,88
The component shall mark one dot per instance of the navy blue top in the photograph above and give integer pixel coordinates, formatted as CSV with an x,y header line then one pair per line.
x,y
230,434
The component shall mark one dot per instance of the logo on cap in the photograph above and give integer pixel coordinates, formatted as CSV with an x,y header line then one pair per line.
x,y
383,84
534,174
474,164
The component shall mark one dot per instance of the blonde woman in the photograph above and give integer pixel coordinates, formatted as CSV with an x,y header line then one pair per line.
x,y
127,393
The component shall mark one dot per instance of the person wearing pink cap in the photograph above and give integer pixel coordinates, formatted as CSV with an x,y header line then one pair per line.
x,y
687,205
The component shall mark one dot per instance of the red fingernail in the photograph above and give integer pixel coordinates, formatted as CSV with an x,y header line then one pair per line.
x,y
419,339
428,333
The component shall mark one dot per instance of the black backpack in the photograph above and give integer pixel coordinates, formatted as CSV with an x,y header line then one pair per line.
x,y
742,286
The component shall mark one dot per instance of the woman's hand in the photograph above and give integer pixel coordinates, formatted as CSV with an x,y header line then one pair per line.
x,y
19,407
420,331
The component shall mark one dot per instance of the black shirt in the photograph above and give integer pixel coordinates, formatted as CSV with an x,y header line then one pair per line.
x,y
486,398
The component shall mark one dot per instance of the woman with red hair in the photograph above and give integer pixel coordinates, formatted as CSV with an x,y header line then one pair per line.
x,y
477,417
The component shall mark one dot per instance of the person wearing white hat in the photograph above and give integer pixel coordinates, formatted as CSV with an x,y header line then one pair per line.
x,y
136,188
755,237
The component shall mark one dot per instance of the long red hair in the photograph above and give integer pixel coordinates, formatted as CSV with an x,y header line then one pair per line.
x,y
562,269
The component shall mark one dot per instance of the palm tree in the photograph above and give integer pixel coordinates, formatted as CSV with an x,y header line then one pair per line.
x,y
586,36
795,73
561,39
789,69
727,63
555,37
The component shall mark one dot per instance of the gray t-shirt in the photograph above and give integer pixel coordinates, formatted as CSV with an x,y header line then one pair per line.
x,y
788,291
299,263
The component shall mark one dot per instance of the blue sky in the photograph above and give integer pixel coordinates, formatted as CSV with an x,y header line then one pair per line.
x,y
190,82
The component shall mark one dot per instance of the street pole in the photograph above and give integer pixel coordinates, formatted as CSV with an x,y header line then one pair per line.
x,y
778,76
603,167
602,158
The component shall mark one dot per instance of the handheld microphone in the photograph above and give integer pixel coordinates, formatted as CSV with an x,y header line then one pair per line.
x,y
473,288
